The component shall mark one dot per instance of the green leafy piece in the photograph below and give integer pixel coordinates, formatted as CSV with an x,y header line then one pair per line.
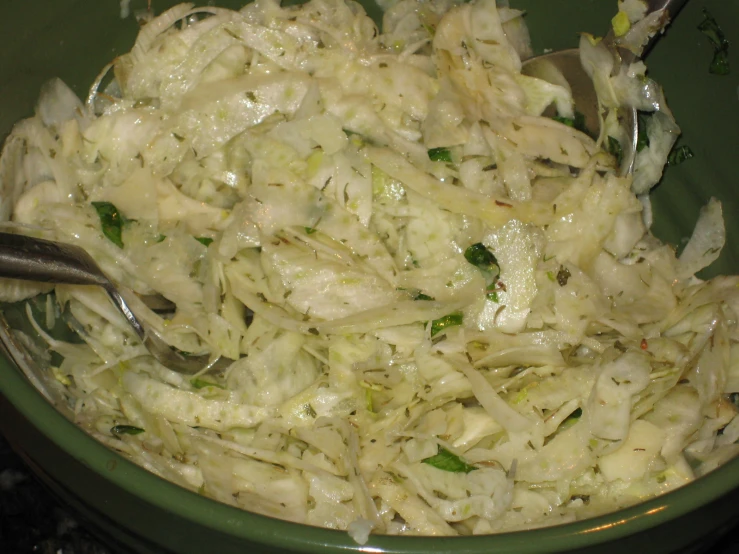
x,y
440,155
720,63
205,241
578,122
482,258
203,383
451,320
111,222
642,140
355,138
614,147
679,155
368,401
446,461
161,238
126,430
310,230
709,27
571,419
566,120
479,256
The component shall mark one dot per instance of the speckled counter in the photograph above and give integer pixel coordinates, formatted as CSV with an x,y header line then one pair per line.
x,y
32,522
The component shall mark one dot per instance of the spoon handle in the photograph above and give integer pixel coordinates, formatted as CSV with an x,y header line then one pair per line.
x,y
671,7
40,260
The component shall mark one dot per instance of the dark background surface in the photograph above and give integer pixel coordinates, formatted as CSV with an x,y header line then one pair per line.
x,y
32,522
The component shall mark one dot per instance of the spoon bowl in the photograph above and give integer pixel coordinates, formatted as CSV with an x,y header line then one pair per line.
x,y
564,68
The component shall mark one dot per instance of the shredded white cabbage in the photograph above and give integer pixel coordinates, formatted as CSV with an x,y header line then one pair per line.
x,y
448,313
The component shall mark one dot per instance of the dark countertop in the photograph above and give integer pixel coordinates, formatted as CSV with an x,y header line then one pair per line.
x,y
32,522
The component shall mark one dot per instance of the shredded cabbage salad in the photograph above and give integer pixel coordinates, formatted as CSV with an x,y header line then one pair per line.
x,y
446,311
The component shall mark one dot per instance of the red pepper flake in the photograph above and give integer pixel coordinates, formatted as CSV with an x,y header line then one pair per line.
x,y
503,204
644,345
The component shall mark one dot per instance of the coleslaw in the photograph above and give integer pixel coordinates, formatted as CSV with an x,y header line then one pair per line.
x,y
446,311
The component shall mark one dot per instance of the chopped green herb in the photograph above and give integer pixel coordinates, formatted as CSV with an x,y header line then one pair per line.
x,y
712,251
551,276
310,230
161,238
368,400
355,138
563,275
202,383
614,147
205,241
679,155
479,256
482,258
451,320
111,222
566,120
126,430
416,294
440,155
571,419
578,122
642,140
446,461
720,63
709,27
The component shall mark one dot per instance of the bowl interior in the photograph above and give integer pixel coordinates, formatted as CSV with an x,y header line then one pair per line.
x,y
73,39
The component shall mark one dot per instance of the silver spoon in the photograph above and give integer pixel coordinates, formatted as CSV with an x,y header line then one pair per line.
x,y
554,66
40,260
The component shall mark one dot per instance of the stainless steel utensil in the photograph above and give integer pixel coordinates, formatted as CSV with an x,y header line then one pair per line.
x,y
33,259
566,63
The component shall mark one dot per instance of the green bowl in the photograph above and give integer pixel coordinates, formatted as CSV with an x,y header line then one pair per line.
x,y
135,511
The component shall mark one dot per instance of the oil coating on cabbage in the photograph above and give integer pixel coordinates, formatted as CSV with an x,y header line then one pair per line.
x,y
446,311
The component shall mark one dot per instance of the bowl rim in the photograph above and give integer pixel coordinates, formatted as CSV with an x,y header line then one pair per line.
x,y
282,534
